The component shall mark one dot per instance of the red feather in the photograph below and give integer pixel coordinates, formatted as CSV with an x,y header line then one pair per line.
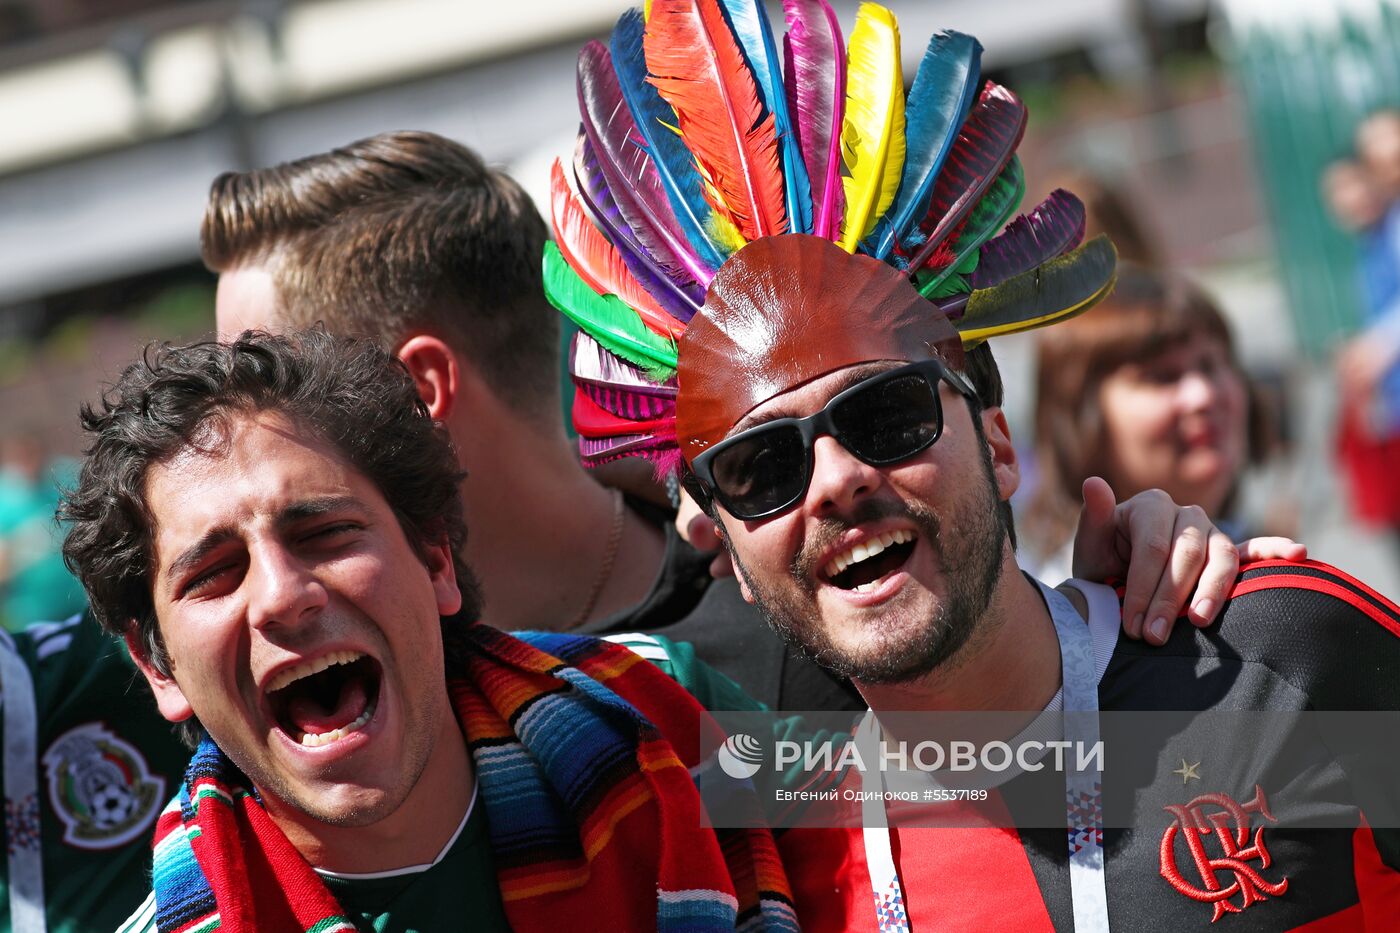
x,y
595,259
698,67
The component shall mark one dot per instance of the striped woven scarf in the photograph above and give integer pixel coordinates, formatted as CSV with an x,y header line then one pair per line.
x,y
583,754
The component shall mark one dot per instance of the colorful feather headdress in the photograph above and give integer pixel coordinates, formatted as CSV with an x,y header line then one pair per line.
x,y
696,140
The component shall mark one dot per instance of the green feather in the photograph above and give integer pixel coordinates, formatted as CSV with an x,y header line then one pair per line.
x,y
1053,291
992,211
606,318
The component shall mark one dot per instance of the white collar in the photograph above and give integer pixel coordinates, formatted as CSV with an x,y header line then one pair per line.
x,y
410,869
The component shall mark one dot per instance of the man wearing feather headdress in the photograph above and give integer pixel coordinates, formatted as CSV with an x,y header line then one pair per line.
x,y
812,268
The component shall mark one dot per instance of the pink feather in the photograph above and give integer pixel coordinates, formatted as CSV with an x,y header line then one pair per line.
x,y
815,60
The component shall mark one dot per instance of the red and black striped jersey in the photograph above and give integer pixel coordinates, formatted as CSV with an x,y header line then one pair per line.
x,y
1293,637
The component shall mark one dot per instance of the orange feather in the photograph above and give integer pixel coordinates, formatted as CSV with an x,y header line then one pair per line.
x,y
697,66
596,260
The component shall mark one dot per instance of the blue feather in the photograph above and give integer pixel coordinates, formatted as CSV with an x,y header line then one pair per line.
x,y
751,30
943,92
655,119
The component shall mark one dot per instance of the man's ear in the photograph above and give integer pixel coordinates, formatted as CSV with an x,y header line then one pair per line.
x,y
438,559
433,366
1005,467
169,697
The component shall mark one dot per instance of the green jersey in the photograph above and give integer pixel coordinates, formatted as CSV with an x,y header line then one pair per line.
x,y
677,660
88,764
456,891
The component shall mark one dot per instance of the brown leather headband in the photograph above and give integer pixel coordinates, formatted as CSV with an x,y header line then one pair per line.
x,y
784,310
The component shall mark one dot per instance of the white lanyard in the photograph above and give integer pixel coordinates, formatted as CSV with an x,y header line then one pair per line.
x,y
1083,789
22,793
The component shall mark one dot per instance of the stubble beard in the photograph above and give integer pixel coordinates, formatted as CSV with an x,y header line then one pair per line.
x,y
970,560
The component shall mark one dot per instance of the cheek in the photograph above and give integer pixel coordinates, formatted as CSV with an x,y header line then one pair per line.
x,y
918,480
1139,448
764,547
1235,418
1134,418
1235,399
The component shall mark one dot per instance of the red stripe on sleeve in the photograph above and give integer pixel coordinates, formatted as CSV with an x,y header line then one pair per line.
x,y
1328,568
1320,585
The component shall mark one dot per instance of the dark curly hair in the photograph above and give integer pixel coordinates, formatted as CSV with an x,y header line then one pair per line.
x,y
347,393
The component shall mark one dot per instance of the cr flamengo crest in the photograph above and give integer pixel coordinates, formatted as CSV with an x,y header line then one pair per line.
x,y
1228,821
100,787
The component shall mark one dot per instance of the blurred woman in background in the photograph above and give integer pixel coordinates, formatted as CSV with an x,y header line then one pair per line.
x,y
1144,390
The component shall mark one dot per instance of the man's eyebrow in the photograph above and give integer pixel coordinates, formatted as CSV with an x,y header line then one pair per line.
x,y
292,514
857,374
314,508
192,555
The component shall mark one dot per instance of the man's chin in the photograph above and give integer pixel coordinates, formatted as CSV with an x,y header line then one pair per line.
x,y
888,658
363,808
340,805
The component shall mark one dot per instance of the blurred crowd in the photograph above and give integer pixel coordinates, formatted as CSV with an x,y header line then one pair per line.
x,y
34,583
1363,193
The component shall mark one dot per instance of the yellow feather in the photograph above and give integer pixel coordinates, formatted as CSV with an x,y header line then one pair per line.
x,y
872,137
725,235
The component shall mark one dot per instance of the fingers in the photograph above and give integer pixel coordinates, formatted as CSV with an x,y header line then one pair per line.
x,y
700,530
702,534
1149,521
1272,549
695,526
1098,503
1202,569
1213,588
722,566
1097,548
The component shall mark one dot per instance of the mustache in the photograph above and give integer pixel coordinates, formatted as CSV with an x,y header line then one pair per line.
x,y
830,530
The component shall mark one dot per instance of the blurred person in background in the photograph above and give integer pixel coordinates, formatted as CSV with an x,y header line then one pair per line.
x,y
1109,209
33,580
1364,197
1146,391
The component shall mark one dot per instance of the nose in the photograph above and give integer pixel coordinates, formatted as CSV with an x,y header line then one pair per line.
x,y
840,479
282,590
1197,390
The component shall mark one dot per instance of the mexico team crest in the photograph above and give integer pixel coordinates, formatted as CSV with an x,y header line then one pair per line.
x,y
100,788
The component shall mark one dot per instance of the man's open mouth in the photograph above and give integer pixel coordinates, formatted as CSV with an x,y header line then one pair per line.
x,y
323,701
860,568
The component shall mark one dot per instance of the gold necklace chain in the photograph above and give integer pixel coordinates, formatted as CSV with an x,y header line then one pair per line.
x,y
609,556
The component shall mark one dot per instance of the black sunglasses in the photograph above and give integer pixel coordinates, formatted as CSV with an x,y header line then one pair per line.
x,y
884,419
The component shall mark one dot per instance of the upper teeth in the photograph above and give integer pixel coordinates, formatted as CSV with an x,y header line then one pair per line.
x,y
866,550
307,668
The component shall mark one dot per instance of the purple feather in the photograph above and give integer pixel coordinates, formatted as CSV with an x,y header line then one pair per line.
x,y
953,306
627,167
815,80
634,406
1053,228
661,451
617,386
681,300
985,144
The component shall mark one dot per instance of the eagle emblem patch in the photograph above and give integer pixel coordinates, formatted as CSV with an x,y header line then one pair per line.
x,y
101,788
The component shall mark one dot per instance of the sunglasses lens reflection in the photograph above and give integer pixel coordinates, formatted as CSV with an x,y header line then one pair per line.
x,y
762,471
889,421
